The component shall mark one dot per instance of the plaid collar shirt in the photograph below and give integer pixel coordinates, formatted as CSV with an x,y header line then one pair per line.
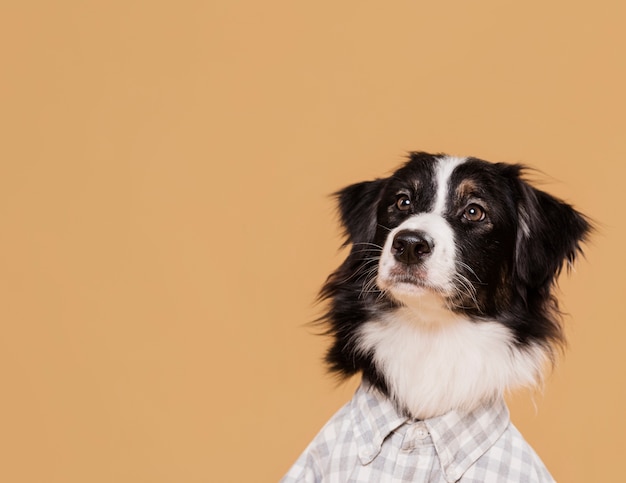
x,y
368,441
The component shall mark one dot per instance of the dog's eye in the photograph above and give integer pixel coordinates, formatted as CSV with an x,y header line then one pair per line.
x,y
403,203
474,213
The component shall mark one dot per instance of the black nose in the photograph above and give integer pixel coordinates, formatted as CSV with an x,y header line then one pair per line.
x,y
411,247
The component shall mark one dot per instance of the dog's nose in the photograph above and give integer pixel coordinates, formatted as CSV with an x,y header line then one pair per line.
x,y
411,247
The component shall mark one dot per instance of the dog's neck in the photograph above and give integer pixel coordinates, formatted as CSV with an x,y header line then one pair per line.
x,y
434,361
426,310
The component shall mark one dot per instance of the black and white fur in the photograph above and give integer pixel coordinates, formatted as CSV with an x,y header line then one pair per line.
x,y
445,299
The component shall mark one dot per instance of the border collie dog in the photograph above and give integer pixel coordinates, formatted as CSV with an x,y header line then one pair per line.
x,y
442,305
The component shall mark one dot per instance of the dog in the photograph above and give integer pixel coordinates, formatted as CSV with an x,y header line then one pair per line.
x,y
444,303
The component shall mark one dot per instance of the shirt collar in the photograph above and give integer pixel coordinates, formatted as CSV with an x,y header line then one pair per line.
x,y
374,417
459,438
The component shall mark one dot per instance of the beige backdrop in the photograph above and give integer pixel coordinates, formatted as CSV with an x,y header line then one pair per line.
x,y
165,223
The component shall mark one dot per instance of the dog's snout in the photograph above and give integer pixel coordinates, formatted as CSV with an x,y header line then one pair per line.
x,y
411,247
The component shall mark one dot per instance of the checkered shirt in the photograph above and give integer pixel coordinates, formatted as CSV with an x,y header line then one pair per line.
x,y
368,441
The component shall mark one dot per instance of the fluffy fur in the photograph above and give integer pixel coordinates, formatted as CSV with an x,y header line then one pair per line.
x,y
445,299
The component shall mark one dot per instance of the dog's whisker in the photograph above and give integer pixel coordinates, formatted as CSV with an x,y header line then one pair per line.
x,y
471,270
370,285
369,244
363,269
470,290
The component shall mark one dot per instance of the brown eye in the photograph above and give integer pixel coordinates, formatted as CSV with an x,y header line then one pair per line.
x,y
403,203
474,213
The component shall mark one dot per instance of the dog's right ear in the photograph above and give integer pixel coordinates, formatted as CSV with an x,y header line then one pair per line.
x,y
358,204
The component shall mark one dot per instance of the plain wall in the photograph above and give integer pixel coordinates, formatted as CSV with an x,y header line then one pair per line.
x,y
165,221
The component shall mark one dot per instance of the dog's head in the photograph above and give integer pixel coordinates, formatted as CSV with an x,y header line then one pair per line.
x,y
460,234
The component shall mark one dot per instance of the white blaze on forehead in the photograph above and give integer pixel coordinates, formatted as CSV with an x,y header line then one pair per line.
x,y
443,171
439,268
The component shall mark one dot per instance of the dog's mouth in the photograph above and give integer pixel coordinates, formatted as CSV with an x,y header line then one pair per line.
x,y
406,279
407,282
413,275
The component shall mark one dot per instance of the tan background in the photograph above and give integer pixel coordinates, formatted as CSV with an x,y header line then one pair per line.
x,y
165,223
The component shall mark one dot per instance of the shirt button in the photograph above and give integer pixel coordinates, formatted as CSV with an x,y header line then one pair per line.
x,y
421,432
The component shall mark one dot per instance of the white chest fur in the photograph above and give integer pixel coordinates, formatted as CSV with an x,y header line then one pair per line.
x,y
434,367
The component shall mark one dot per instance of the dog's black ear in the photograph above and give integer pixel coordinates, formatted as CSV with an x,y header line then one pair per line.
x,y
357,209
550,234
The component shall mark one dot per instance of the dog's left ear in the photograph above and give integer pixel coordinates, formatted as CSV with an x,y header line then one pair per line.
x,y
357,209
550,234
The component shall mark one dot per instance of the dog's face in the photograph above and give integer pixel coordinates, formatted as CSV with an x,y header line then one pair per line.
x,y
471,233
446,227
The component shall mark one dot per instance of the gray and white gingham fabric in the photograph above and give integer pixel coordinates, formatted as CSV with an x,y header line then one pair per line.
x,y
368,441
